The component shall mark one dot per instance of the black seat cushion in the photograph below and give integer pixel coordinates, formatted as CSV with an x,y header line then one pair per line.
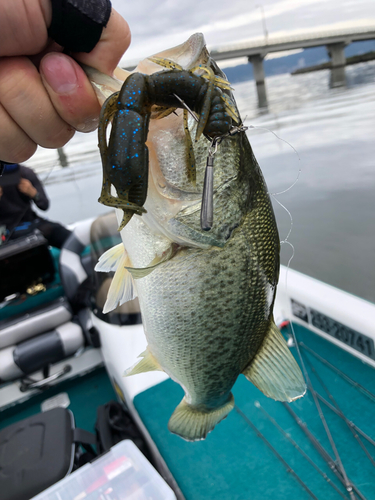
x,y
35,453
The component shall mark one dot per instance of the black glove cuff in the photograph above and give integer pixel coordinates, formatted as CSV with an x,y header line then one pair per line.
x,y
77,24
2,166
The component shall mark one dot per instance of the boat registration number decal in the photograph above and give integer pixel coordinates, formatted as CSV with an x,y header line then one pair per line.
x,y
350,337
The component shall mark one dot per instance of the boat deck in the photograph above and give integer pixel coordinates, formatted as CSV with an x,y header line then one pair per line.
x,y
236,463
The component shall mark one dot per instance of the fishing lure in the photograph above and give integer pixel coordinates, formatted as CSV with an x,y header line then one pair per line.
x,y
125,156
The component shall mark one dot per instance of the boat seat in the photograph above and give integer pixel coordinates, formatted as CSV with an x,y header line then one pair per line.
x,y
40,320
37,452
39,352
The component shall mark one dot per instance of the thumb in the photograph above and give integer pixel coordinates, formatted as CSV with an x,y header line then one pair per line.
x,y
114,41
68,87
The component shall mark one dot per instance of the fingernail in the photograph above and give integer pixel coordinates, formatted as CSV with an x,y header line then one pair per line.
x,y
59,73
89,125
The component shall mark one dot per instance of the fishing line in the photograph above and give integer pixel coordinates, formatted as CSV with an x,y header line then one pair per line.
x,y
281,192
352,382
286,241
285,190
48,173
348,484
294,149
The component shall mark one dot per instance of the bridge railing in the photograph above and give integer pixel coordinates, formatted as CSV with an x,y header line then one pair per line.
x,y
271,41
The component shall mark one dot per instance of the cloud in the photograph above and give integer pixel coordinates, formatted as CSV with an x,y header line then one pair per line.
x,y
157,25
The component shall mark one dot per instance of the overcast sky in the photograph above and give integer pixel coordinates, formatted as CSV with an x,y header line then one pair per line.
x,y
160,24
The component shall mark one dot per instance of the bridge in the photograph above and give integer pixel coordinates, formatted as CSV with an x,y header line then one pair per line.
x,y
255,51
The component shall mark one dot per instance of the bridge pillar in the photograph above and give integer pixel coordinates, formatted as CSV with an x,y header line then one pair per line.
x,y
257,62
337,55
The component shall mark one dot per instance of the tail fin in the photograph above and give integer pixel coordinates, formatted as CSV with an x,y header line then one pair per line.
x,y
274,370
193,424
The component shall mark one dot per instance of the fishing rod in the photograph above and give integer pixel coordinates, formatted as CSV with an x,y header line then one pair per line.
x,y
352,382
300,450
324,454
286,465
340,412
348,484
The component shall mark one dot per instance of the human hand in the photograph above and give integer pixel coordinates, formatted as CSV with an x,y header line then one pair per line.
x,y
27,188
45,95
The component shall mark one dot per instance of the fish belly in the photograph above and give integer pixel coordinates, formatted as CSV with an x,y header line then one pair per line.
x,y
205,315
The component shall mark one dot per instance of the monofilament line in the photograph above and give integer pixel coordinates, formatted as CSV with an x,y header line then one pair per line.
x,y
282,192
294,149
348,484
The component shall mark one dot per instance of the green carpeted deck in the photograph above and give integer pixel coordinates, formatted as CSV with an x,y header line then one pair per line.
x,y
234,463
86,393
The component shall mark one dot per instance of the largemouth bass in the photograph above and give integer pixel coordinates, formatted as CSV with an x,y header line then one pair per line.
x,y
206,298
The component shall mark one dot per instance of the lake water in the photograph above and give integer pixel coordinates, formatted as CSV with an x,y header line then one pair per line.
x,y
333,202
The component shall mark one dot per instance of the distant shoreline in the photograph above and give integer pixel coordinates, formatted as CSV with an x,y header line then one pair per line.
x,y
369,56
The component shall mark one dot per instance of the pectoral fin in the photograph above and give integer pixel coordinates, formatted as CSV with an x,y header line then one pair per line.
x,y
110,259
148,363
122,287
274,370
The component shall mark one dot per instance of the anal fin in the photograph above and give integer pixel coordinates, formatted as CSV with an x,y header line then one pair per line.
x,y
148,363
274,370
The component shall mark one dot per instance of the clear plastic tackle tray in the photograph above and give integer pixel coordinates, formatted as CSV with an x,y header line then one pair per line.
x,y
121,474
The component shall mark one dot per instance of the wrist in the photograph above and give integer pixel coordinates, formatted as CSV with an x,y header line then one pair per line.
x,y
36,196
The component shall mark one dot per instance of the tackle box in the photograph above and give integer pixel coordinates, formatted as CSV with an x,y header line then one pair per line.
x,y
123,473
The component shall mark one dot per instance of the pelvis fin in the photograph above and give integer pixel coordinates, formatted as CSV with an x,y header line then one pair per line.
x,y
141,272
148,363
274,370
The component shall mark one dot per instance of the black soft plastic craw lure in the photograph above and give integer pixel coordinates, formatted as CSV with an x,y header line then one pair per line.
x,y
125,157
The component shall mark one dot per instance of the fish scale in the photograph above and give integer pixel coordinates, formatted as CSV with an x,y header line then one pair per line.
x,y
226,289
206,298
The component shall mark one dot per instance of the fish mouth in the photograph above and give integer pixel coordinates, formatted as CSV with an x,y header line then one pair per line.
x,y
187,54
